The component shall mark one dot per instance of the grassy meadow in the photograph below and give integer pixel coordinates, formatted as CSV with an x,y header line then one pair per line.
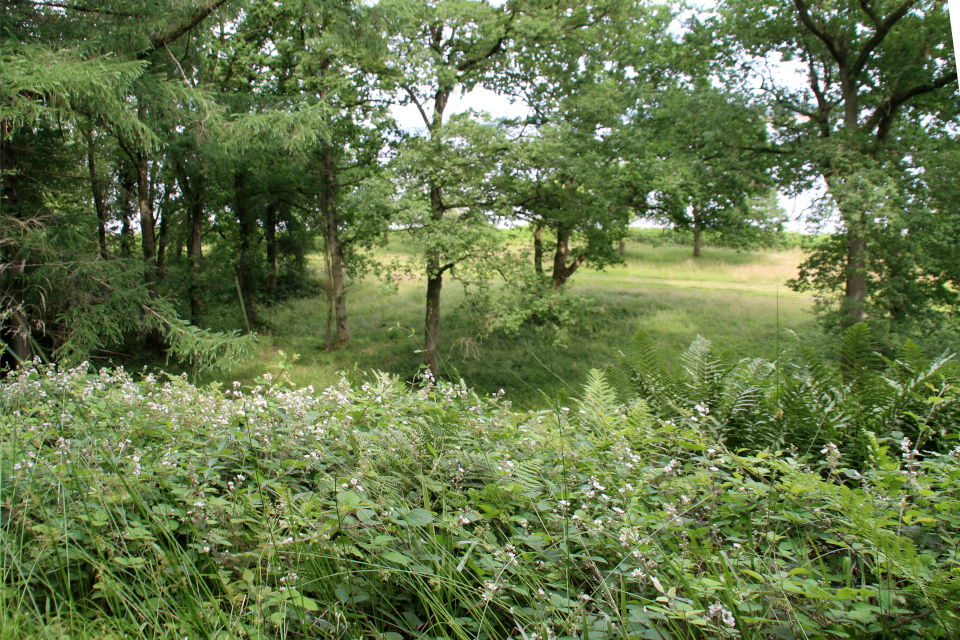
x,y
736,299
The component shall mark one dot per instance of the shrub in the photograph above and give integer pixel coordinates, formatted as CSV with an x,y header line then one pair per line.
x,y
157,509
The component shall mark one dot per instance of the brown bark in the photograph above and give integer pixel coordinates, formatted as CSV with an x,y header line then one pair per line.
x,y
96,186
561,269
334,246
162,245
195,194
697,231
147,231
432,322
622,246
196,249
434,286
126,232
434,270
538,249
145,202
856,285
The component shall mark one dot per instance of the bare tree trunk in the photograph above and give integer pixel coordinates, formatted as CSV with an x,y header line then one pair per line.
x,y
561,270
334,247
432,323
96,186
195,196
856,285
434,269
196,249
434,286
162,245
147,231
145,201
126,232
538,249
162,236
696,233
622,246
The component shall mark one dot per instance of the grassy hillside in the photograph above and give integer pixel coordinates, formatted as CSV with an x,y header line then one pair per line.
x,y
738,299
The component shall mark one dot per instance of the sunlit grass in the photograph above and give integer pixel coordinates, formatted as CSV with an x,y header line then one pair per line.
x,y
736,299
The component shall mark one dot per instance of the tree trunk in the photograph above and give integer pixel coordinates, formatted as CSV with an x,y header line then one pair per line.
x,y
696,232
856,285
163,235
561,270
856,289
434,270
147,232
96,186
538,249
162,245
270,235
434,285
334,247
622,246
432,324
247,225
126,232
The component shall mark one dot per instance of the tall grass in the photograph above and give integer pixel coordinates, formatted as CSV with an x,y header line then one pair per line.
x,y
737,298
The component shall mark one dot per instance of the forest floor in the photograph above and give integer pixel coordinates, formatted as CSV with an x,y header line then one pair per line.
x,y
736,299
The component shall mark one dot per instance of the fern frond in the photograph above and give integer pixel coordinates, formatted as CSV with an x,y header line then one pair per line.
x,y
702,368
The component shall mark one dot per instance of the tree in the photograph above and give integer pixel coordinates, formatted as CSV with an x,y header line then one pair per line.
x,y
563,177
439,49
872,70
70,75
704,153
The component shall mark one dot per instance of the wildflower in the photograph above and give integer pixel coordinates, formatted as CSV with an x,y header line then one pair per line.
x,y
726,615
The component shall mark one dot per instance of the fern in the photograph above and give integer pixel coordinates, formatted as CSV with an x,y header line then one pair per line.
x,y
703,370
649,379
599,402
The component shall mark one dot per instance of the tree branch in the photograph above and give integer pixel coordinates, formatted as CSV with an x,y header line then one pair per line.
x,y
889,107
824,37
413,97
882,30
867,9
187,26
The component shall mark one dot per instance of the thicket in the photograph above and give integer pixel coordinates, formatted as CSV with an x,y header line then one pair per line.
x,y
756,499
164,161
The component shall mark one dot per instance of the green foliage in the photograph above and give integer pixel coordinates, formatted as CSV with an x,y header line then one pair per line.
x,y
158,509
799,400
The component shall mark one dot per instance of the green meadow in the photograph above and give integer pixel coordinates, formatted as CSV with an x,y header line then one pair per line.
x,y
737,299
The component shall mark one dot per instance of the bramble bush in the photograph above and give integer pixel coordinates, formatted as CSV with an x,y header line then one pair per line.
x,y
649,508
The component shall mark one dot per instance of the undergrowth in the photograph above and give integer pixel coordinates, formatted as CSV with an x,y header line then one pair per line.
x,y
785,499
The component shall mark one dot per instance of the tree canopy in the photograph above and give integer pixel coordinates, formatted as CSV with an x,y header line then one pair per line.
x,y
165,162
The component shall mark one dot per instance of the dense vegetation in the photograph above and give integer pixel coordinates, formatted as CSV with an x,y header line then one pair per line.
x,y
205,182
789,499
162,159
